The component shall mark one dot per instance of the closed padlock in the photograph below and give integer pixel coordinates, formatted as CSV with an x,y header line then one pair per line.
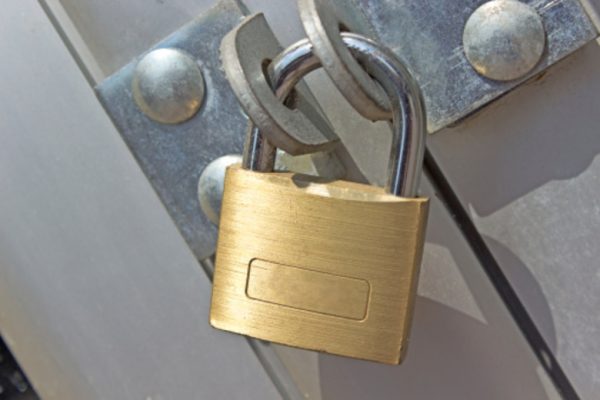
x,y
326,265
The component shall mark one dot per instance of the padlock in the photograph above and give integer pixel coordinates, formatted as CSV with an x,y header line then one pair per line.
x,y
326,265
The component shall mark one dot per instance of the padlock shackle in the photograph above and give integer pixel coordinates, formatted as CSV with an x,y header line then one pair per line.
x,y
406,103
408,112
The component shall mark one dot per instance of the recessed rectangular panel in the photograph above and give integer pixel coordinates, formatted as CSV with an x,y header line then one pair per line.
x,y
308,290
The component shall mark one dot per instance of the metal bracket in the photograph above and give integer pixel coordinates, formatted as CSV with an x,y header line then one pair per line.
x,y
428,38
177,113
173,156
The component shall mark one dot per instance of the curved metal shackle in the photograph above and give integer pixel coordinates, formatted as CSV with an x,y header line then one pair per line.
x,y
408,113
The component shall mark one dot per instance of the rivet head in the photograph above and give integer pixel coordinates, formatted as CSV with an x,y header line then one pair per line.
x,y
211,183
504,39
168,86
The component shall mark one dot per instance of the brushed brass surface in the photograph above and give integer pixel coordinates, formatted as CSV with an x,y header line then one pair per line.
x,y
308,290
327,266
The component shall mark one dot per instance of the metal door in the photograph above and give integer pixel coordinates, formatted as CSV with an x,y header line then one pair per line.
x,y
101,298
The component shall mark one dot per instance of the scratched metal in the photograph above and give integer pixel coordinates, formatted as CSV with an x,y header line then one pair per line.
x,y
174,156
427,36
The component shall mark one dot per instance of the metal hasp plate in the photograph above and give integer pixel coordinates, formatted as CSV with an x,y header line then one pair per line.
x,y
177,113
174,156
428,37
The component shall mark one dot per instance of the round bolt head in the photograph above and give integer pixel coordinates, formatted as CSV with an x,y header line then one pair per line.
x,y
210,186
504,39
168,86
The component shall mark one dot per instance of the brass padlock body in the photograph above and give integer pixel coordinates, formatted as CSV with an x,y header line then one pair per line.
x,y
327,266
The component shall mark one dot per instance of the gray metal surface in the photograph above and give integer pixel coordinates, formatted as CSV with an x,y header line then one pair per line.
x,y
211,184
504,39
517,166
427,36
107,34
100,298
508,165
370,151
528,169
113,32
174,156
